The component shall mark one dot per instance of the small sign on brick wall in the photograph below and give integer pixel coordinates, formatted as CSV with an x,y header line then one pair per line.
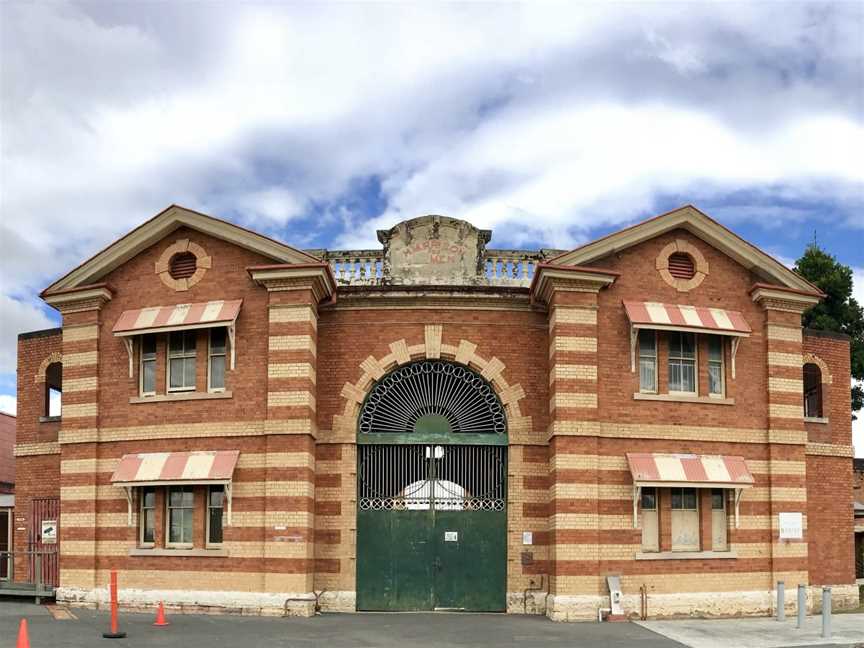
x,y
791,526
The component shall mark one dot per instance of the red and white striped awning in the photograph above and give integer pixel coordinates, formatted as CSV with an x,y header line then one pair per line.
x,y
176,468
689,470
182,316
676,317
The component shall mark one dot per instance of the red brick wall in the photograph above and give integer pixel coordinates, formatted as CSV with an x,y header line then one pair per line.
x,y
830,479
136,285
7,453
726,286
347,337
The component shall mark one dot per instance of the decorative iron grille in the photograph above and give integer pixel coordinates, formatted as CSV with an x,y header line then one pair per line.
x,y
437,477
433,389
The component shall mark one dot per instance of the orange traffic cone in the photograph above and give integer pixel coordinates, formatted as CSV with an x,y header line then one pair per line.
x,y
23,638
160,616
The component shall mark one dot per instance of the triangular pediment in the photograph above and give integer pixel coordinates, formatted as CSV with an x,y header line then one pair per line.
x,y
699,224
160,226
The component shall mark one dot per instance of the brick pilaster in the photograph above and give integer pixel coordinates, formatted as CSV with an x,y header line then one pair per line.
x,y
81,309
289,540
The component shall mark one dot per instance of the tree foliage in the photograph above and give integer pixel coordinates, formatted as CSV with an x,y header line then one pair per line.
x,y
839,311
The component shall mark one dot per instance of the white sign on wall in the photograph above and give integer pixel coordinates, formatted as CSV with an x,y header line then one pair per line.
x,y
527,537
49,531
791,526
451,536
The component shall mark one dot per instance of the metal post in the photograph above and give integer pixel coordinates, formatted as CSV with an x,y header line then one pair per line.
x,y
802,605
781,601
38,578
826,612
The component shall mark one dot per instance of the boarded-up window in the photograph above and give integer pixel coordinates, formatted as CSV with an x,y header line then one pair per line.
x,y
650,527
718,520
685,519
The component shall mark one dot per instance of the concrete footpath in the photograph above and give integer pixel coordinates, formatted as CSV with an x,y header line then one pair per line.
x,y
847,630
365,630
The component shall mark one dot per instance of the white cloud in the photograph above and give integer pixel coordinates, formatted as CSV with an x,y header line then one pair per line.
x,y
539,120
8,404
17,316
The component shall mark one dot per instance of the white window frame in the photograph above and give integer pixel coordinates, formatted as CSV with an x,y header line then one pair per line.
x,y
185,355
646,356
168,509
210,356
141,362
142,517
207,542
722,363
695,361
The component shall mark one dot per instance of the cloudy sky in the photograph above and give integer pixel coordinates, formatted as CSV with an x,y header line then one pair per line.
x,y
316,123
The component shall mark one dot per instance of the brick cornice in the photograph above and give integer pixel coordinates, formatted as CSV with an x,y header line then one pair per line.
x,y
82,298
549,278
317,277
772,297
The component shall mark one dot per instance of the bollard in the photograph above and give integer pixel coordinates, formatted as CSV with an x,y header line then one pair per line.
x,y
802,605
826,612
781,601
115,633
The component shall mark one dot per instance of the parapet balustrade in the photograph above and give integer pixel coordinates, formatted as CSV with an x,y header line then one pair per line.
x,y
501,267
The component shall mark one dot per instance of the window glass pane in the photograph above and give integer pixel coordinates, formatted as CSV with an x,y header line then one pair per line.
x,y
175,343
148,377
148,347
649,499
647,343
189,372
217,493
717,499
148,520
215,526
688,345
217,340
715,348
176,371
188,499
647,374
217,372
689,498
148,498
187,525
715,378
189,338
676,498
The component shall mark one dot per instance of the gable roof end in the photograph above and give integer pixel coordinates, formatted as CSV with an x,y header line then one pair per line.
x,y
701,225
160,226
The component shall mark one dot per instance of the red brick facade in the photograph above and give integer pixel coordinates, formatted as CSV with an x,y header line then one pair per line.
x,y
7,453
558,354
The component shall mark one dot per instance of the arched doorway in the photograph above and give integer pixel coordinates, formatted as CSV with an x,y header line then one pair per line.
x,y
432,492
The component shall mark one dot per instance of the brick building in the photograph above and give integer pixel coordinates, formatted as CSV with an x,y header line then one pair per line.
x,y
436,424
858,499
7,453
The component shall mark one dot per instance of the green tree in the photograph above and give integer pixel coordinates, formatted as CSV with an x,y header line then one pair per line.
x,y
839,311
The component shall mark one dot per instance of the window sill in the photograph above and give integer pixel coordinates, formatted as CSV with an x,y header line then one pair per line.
x,y
57,419
181,396
822,420
178,553
685,555
675,398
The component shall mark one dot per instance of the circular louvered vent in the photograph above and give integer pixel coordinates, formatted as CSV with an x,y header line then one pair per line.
x,y
433,396
681,266
183,265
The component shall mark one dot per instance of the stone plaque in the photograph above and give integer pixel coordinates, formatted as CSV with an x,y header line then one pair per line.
x,y
434,250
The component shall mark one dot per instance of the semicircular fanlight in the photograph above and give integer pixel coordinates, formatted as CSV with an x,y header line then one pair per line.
x,y
433,396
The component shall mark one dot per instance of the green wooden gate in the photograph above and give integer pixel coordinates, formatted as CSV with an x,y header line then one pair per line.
x,y
432,484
